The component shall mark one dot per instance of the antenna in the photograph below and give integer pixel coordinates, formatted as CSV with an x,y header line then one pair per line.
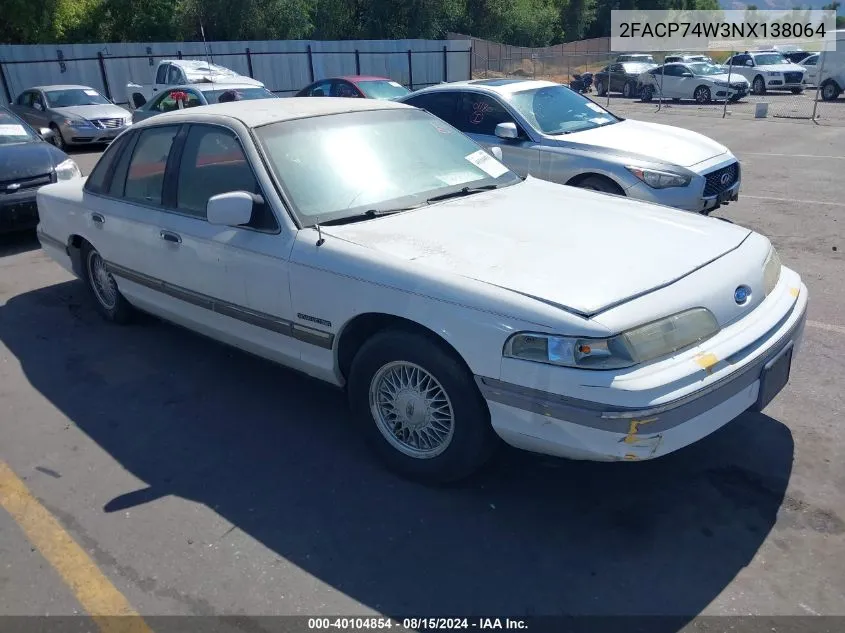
x,y
319,234
207,54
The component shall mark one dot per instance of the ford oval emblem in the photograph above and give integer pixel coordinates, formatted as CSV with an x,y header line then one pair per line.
x,y
741,294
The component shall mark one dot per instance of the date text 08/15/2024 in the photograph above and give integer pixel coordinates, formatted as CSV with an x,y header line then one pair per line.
x,y
416,624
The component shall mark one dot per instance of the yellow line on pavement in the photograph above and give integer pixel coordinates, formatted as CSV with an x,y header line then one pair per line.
x,y
97,595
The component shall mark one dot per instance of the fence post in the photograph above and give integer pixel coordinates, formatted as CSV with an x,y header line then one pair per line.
x,y
5,84
310,64
410,71
728,91
445,63
249,62
179,54
103,74
357,62
818,83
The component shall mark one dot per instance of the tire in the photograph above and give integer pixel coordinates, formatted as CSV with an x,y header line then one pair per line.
x,y
601,91
628,90
111,305
467,437
702,94
797,91
758,86
830,91
58,139
600,184
647,94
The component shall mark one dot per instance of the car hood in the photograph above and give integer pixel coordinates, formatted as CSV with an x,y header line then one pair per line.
x,y
733,78
104,111
579,250
657,142
780,68
27,160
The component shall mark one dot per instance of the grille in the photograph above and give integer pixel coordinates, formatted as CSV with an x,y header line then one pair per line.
x,y
739,86
714,184
792,78
107,124
32,182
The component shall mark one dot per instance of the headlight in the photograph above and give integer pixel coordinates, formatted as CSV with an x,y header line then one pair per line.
x,y
659,179
721,84
771,271
68,170
773,74
82,123
640,345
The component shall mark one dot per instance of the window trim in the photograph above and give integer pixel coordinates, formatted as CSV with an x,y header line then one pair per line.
x,y
171,176
136,140
119,145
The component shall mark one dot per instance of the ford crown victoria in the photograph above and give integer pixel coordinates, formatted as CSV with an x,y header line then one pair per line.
x,y
371,245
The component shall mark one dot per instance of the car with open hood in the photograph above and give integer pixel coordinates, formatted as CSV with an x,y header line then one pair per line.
x,y
551,132
77,115
373,246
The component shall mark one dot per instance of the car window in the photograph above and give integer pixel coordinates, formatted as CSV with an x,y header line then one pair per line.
x,y
616,68
382,89
443,105
25,99
343,89
321,89
97,180
810,61
161,75
739,60
14,130
174,75
169,101
145,177
69,97
245,94
480,114
213,162
558,110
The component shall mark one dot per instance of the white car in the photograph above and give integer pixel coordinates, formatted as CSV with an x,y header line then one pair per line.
x,y
371,245
699,81
810,64
767,70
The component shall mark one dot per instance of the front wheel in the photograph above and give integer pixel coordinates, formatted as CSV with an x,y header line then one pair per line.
x,y
830,91
797,91
758,86
628,90
419,408
111,305
58,140
702,94
647,93
600,89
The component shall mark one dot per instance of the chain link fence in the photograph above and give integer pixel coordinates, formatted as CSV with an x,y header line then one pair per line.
x,y
619,86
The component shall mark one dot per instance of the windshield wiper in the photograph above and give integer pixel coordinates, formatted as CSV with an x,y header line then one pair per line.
x,y
465,191
369,214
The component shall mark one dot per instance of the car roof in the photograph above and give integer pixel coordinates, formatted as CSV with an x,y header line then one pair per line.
x,y
355,78
62,87
258,112
217,85
502,86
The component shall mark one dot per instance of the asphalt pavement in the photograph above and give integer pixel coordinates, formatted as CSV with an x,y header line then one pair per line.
x,y
199,480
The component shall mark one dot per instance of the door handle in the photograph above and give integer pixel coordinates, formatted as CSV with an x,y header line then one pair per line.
x,y
168,236
97,218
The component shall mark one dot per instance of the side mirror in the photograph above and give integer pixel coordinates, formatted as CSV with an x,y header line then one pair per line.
x,y
230,209
507,130
686,75
46,133
37,106
497,152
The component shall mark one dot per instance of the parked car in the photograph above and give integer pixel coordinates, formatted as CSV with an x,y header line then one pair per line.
x,y
27,162
686,58
768,71
791,52
620,77
831,75
811,69
179,72
77,115
551,132
361,86
699,81
192,95
643,58
375,247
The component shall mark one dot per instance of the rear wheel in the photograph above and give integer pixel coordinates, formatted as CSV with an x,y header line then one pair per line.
x,y
830,91
111,305
419,408
702,94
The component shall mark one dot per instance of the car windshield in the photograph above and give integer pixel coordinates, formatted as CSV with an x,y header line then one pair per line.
x,y
769,59
74,97
559,110
13,130
345,165
244,94
382,89
702,68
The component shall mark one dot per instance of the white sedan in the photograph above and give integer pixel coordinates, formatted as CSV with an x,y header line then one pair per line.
x,y
373,246
699,81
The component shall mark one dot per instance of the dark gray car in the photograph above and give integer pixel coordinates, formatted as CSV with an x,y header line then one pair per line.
x,y
77,115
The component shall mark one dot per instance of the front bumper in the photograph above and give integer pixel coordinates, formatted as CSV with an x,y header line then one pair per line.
x,y
18,212
553,424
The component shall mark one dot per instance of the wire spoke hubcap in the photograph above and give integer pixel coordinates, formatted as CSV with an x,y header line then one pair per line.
x,y
412,410
101,281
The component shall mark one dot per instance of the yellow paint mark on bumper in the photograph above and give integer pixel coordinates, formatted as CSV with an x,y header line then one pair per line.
x,y
631,457
707,362
633,428
794,291
97,595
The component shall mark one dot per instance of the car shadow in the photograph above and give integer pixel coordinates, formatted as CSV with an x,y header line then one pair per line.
x,y
18,242
271,451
